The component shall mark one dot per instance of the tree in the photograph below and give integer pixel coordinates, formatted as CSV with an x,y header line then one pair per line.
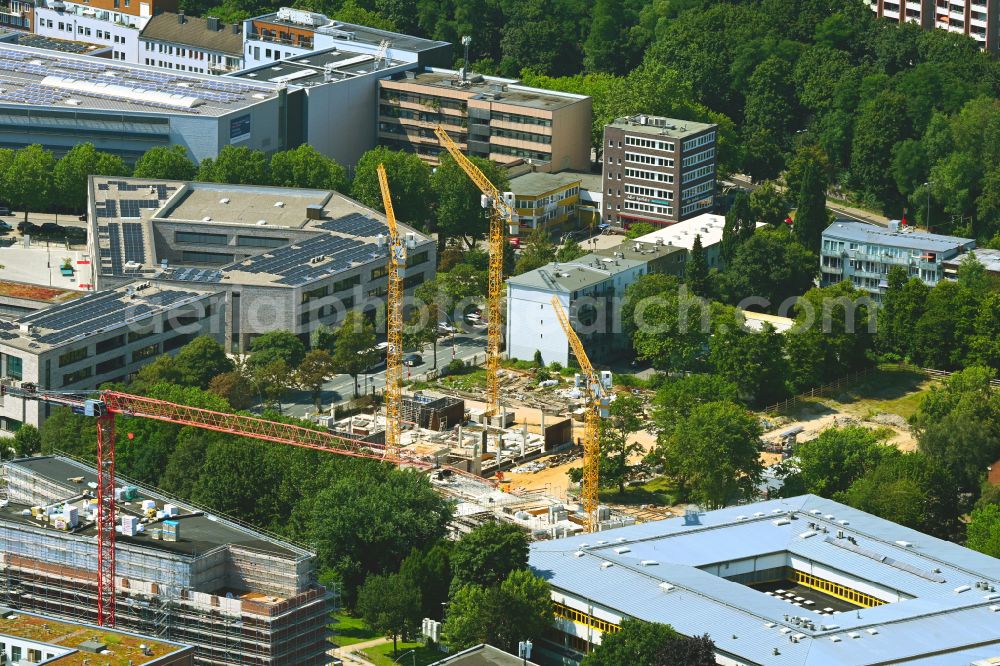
x,y
811,217
488,554
602,49
458,214
430,572
638,229
353,346
696,269
963,444
28,182
165,163
72,170
676,399
306,167
366,517
237,165
389,604
771,104
409,182
625,419
569,251
753,361
312,372
273,377
837,458
714,453
903,305
234,388
882,122
983,530
651,644
200,360
27,441
537,251
736,219
767,204
770,267
351,12
277,345
519,608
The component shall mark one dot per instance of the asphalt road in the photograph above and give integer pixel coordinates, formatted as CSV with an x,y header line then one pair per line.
x,y
340,389
842,211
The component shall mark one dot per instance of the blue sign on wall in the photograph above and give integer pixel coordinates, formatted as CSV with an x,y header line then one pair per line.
x,y
239,129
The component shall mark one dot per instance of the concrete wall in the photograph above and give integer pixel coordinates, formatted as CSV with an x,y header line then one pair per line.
x,y
571,128
532,325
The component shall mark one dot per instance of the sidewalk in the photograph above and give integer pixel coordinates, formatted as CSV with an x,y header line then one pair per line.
x,y
350,653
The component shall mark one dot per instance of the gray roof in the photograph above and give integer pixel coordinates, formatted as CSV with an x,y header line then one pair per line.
x,y
990,259
654,572
667,127
587,271
486,88
38,78
482,655
315,68
195,31
361,33
538,183
915,240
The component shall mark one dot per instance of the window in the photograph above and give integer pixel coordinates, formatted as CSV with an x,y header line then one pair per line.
x,y
417,259
347,283
702,140
111,364
649,192
315,293
642,174
146,352
178,341
15,653
649,143
72,356
261,241
648,208
698,158
699,189
640,158
135,336
193,257
79,375
700,172
380,272
199,238
14,366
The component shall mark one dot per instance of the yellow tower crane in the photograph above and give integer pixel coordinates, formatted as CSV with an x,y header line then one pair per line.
x,y
500,215
598,397
394,326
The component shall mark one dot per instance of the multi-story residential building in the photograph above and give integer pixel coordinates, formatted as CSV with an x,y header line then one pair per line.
x,y
17,14
979,19
238,596
101,337
657,170
191,44
289,32
59,100
114,23
283,258
589,289
707,226
487,117
863,254
546,201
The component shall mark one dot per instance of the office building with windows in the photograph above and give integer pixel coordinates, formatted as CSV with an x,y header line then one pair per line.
x,y
863,254
978,19
191,44
100,337
111,23
17,14
287,33
657,170
546,201
801,581
487,117
282,258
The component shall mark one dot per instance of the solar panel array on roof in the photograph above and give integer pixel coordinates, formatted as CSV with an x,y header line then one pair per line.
x,y
110,209
355,224
133,207
292,262
135,249
114,236
196,275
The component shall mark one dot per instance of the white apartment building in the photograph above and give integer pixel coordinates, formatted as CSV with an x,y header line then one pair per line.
x,y
111,23
191,44
979,19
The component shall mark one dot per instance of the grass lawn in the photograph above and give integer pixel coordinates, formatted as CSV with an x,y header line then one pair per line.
x,y
885,391
469,381
382,655
348,630
657,492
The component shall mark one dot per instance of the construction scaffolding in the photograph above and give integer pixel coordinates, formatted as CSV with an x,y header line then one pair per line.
x,y
239,597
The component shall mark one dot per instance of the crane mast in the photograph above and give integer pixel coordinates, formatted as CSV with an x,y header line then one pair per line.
x,y
500,214
394,326
597,396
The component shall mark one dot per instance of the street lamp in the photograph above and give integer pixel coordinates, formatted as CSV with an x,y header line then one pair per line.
x,y
928,216
413,652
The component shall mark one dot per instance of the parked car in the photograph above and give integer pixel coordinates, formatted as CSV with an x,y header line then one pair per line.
x,y
444,328
411,360
4,227
5,211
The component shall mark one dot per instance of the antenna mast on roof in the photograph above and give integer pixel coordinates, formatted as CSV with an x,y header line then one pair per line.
x,y
466,40
381,61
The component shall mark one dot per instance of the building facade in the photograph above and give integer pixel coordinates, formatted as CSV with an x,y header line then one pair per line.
x,y
114,23
863,254
238,596
657,170
17,14
707,226
191,44
98,338
979,19
545,201
487,117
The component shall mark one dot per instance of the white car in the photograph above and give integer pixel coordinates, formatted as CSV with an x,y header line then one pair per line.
x,y
444,328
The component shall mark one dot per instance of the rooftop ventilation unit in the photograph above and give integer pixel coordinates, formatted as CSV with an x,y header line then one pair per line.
x,y
621,550
607,565
666,587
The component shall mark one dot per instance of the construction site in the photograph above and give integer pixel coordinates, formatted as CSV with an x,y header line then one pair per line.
x,y
237,595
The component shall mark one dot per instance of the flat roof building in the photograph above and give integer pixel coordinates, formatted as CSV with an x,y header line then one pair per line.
x,y
803,581
708,226
282,258
42,639
59,99
657,170
863,254
978,19
487,117
546,201
237,595
85,340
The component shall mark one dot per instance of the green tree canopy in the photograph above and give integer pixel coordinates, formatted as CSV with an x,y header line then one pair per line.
x,y
237,165
277,345
27,441
832,462
983,530
626,418
306,167
165,162
459,214
488,554
651,644
677,397
519,608
312,373
27,184
389,604
72,170
353,346
769,267
409,183
200,360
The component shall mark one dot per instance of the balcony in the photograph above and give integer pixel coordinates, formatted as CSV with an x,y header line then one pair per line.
x,y
273,39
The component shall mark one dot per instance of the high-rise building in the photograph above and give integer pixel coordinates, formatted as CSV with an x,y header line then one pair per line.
x,y
979,19
657,170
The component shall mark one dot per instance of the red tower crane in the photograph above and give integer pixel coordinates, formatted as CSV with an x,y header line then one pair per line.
x,y
104,405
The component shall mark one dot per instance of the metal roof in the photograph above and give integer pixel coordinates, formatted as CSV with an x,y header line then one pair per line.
x,y
915,240
587,271
933,618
